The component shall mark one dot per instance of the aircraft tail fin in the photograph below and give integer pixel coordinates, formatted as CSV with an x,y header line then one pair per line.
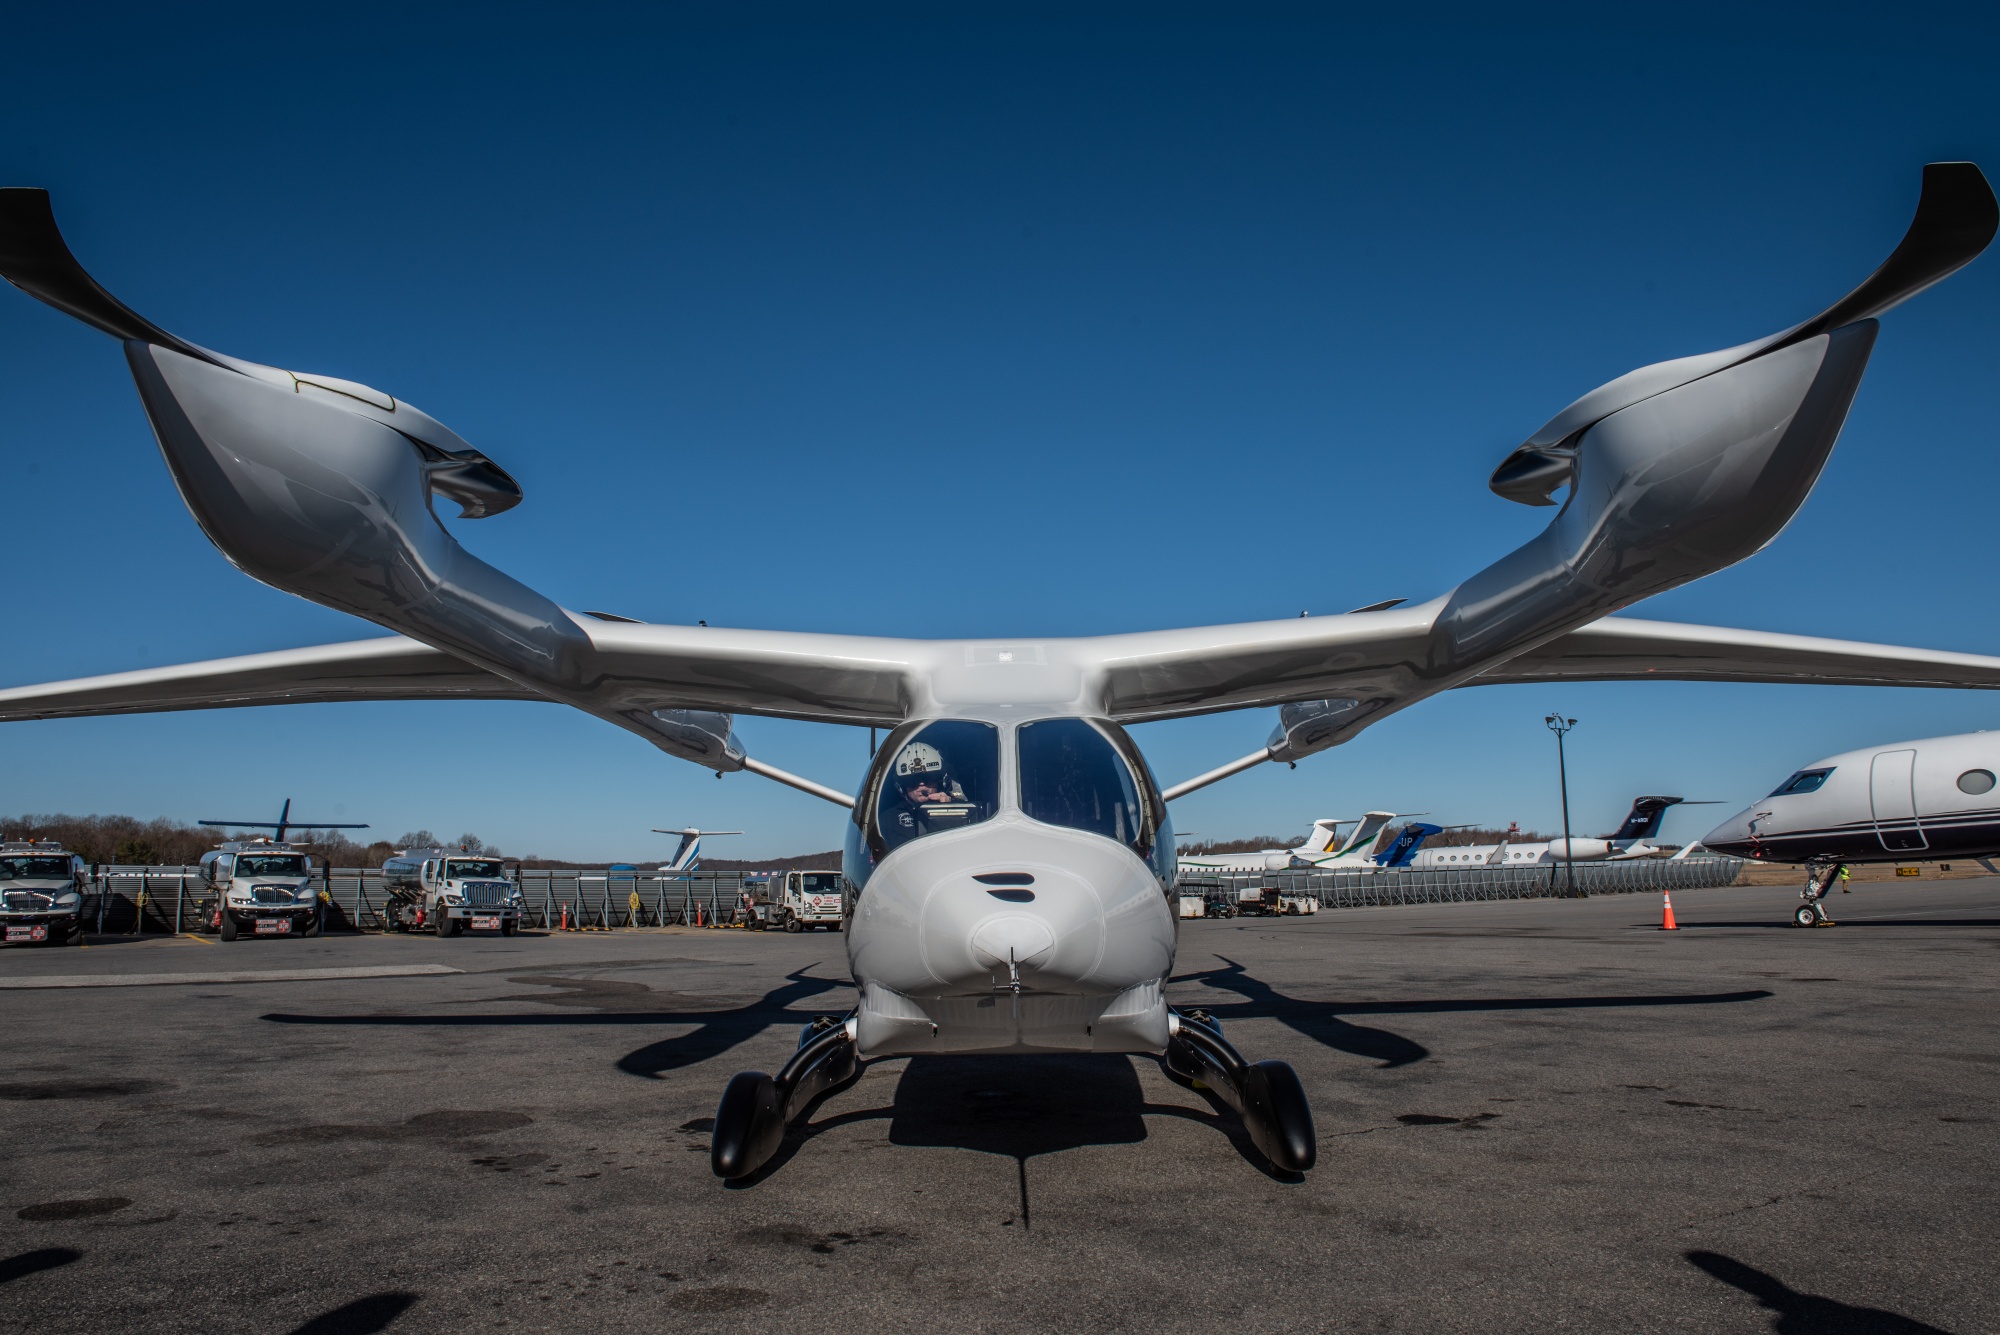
x,y
1404,849
687,857
1325,833
1643,822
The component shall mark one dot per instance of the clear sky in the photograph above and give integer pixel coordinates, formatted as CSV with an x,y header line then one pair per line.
x,y
981,320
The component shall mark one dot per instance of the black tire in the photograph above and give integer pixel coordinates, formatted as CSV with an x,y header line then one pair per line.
x,y
73,936
316,924
226,924
509,926
1805,916
444,924
792,924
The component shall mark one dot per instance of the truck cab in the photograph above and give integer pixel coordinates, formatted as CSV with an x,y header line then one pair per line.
x,y
259,887
448,891
41,895
802,899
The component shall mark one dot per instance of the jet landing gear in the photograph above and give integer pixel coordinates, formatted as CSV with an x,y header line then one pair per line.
x,y
1267,1095
1811,911
756,1108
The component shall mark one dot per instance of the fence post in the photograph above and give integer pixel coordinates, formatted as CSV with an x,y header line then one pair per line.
x,y
180,898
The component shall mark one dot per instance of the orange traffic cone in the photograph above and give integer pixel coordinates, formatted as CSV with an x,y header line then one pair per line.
x,y
565,919
1667,923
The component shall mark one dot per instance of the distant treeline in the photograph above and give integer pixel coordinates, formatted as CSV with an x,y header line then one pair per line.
x,y
129,841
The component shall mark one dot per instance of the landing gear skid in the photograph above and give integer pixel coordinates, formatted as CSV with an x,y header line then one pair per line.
x,y
1811,911
1267,1095
757,1108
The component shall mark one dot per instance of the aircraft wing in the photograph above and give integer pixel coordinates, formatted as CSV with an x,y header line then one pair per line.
x,y
382,669
1628,649
630,666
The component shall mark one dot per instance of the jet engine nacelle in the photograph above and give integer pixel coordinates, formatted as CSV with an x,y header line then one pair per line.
x,y
1312,726
1579,850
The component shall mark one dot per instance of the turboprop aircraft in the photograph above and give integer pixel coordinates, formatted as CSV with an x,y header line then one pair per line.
x,y
283,823
1919,801
687,857
1633,839
1010,851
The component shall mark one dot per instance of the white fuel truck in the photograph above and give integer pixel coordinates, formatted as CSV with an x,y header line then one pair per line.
x,y
449,890
802,899
260,887
41,895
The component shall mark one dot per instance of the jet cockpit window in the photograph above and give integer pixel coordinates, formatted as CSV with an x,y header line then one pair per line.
x,y
1805,781
944,776
1072,774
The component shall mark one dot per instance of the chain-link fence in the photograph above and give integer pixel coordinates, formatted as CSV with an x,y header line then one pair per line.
x,y
131,900
1402,885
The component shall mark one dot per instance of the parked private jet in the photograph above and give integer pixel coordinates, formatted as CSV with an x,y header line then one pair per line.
x,y
1325,847
1633,839
687,857
1010,851
1905,802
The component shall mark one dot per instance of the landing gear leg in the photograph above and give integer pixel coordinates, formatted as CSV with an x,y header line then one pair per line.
x,y
1267,1095
756,1108
1811,911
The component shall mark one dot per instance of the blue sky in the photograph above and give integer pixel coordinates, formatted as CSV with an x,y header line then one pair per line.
x,y
1137,316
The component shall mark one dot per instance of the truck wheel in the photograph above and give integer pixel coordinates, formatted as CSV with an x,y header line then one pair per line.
x,y
225,924
509,926
792,924
442,922
73,936
315,925
833,927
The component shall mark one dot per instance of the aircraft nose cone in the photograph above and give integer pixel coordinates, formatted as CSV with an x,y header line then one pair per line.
x,y
1016,938
1732,836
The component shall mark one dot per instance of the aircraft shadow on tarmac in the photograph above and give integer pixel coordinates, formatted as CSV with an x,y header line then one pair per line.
x,y
23,1264
363,1316
1018,1107
715,1031
1805,1313
1321,1022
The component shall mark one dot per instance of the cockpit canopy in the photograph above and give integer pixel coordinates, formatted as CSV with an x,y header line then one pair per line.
x,y
1083,774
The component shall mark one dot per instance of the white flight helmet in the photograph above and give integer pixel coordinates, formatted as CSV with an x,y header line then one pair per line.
x,y
919,760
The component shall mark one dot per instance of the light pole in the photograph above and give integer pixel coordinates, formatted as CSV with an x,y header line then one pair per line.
x,y
1559,726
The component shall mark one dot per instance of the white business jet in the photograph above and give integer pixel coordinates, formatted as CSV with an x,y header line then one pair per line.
x,y
1325,846
1009,849
1633,839
1920,801
687,856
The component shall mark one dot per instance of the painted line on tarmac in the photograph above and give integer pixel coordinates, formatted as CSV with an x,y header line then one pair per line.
x,y
257,976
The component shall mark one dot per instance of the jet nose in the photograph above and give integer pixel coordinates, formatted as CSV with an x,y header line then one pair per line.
x,y
1732,836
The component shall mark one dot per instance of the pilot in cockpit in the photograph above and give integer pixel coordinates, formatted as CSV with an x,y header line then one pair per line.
x,y
927,798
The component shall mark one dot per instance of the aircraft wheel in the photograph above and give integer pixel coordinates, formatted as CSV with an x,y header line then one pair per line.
x,y
1805,916
225,924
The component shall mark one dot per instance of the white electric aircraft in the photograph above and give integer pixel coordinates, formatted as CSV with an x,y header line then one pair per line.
x,y
1009,849
1905,802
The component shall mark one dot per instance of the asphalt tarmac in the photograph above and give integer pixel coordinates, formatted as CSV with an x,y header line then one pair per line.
x,y
1532,1116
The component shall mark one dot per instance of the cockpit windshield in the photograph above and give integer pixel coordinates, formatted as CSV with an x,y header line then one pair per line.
x,y
459,869
1072,774
1805,781
33,869
944,776
270,864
